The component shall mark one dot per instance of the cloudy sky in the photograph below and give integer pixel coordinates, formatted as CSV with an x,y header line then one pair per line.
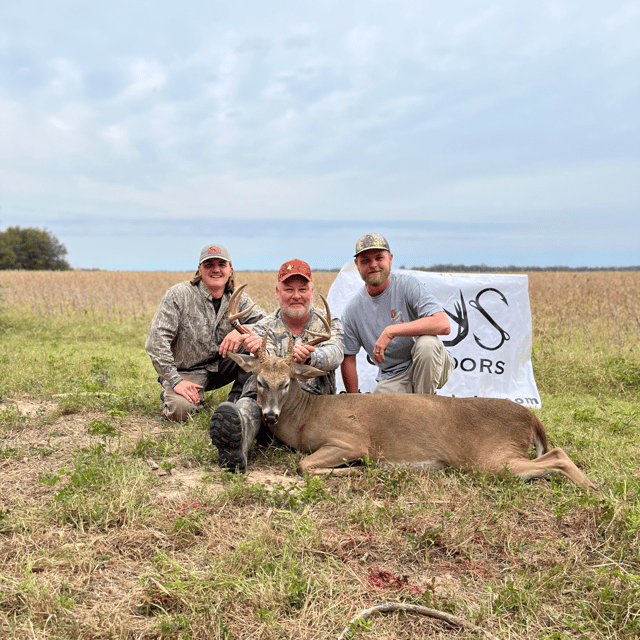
x,y
498,132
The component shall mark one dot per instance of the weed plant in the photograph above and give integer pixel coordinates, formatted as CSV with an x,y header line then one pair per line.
x,y
117,524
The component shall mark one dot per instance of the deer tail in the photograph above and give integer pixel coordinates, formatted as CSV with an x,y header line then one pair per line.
x,y
540,440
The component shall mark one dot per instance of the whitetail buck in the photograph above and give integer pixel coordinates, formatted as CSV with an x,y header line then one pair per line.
x,y
487,434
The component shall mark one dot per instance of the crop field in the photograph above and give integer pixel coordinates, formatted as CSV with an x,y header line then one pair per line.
x,y
115,524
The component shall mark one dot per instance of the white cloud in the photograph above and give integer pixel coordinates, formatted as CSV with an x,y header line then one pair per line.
x,y
118,137
145,77
72,116
66,79
373,110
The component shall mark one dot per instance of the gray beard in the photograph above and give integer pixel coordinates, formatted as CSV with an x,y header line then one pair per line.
x,y
295,314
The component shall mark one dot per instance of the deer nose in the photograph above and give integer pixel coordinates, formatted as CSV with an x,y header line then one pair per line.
x,y
271,417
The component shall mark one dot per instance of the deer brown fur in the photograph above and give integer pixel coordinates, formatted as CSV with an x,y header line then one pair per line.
x,y
487,434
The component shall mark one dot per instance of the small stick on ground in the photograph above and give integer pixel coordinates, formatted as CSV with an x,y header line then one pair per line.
x,y
388,607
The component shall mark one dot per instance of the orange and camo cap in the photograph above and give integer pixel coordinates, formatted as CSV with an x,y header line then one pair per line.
x,y
295,267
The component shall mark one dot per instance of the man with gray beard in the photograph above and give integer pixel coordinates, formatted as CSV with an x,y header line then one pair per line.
x,y
234,427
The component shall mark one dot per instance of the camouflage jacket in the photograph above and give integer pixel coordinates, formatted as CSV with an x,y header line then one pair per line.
x,y
327,355
186,331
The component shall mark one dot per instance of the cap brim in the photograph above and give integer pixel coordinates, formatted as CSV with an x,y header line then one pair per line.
x,y
214,258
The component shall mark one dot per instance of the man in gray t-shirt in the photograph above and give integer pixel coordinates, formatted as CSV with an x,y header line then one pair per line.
x,y
397,322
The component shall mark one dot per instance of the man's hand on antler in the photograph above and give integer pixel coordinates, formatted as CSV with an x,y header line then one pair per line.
x,y
302,352
251,342
231,343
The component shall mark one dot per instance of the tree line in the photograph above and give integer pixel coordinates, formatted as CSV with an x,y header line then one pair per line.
x,y
39,250
483,268
32,249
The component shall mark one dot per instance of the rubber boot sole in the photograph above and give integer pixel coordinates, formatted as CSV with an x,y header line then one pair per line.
x,y
225,430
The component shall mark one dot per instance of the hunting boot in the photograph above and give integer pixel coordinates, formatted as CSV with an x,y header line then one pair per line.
x,y
233,430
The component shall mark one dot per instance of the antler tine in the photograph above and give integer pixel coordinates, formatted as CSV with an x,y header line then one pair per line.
x,y
289,356
233,314
262,352
321,337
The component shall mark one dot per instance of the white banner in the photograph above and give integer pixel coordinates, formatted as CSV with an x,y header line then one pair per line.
x,y
490,339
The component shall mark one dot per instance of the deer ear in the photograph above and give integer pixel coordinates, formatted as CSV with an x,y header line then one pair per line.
x,y
306,372
248,363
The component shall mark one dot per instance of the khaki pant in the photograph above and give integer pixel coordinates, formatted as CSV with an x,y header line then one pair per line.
x,y
430,369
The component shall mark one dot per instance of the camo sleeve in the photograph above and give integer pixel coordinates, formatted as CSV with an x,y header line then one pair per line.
x,y
326,357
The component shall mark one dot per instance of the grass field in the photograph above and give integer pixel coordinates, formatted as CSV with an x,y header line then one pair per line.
x,y
117,524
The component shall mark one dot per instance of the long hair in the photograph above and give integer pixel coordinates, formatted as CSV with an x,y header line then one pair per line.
x,y
230,287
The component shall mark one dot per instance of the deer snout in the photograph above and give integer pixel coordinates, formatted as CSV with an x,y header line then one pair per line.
x,y
271,417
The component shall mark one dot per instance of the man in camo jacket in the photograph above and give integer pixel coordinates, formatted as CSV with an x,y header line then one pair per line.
x,y
234,427
190,336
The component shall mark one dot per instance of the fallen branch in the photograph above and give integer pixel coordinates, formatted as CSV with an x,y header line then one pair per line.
x,y
388,607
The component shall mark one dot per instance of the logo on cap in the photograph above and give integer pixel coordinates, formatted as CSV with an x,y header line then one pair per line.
x,y
295,268
214,250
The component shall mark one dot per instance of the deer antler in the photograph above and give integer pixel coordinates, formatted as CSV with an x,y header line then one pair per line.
x,y
233,314
321,337
234,317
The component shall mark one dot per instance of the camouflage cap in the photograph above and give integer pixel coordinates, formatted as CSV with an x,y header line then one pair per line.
x,y
371,241
214,251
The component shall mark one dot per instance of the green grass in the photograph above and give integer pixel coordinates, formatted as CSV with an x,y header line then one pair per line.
x,y
117,524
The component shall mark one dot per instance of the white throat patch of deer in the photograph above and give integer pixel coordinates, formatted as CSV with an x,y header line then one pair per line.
x,y
487,434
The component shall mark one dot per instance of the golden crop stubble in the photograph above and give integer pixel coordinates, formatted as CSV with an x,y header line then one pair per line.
x,y
600,308
120,294
95,294
594,306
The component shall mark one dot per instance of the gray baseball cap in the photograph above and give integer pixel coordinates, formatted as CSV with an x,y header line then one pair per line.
x,y
371,241
214,251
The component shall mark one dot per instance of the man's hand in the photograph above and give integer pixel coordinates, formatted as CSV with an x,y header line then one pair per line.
x,y
381,345
230,344
302,352
251,342
188,390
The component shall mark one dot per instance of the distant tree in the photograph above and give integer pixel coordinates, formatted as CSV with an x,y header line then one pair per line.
x,y
31,249
7,254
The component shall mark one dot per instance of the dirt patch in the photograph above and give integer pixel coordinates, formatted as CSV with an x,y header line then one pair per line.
x,y
41,446
179,482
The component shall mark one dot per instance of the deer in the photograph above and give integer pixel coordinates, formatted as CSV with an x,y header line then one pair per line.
x,y
423,431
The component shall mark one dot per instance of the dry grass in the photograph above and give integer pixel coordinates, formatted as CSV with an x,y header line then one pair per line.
x,y
116,524
594,308
117,295
583,302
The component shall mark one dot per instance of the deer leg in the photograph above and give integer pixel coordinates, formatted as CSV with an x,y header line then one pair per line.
x,y
555,460
329,459
432,465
